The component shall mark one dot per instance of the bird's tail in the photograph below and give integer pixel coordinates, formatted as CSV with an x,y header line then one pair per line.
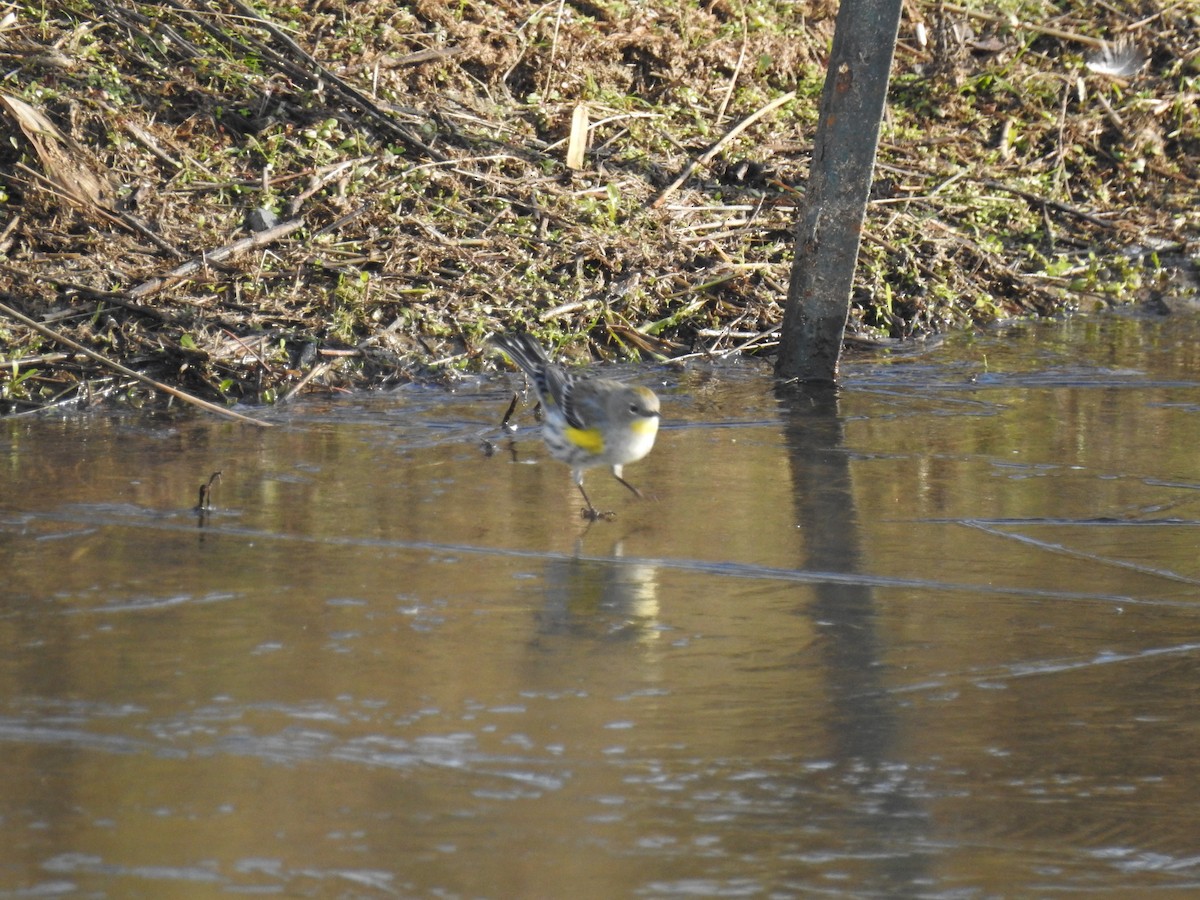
x,y
525,352
552,384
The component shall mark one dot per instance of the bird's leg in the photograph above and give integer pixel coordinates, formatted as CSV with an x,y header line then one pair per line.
x,y
636,492
590,512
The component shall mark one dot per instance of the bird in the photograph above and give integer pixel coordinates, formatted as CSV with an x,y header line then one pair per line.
x,y
587,421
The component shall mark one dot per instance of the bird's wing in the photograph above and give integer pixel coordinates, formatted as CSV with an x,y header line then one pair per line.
x,y
560,387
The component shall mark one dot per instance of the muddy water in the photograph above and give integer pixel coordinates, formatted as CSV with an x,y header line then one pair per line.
x,y
936,635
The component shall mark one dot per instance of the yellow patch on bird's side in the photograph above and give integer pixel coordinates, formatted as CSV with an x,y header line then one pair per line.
x,y
648,425
589,439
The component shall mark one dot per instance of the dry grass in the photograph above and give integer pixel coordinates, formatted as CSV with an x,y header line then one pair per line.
x,y
414,155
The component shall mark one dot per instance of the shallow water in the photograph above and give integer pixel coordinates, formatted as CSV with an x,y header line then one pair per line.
x,y
937,635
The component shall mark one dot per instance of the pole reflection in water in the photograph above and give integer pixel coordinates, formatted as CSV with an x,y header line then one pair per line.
x,y
864,719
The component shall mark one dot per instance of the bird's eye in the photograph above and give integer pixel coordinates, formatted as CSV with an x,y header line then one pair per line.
x,y
633,408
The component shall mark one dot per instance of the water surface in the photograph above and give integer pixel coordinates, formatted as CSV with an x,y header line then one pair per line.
x,y
937,634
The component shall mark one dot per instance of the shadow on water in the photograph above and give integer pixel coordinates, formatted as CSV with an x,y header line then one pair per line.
x,y
934,634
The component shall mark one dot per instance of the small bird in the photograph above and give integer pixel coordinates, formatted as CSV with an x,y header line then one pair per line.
x,y
587,422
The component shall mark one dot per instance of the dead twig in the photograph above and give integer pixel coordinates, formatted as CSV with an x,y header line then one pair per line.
x,y
737,69
1046,202
260,239
307,71
1017,24
718,147
315,372
65,341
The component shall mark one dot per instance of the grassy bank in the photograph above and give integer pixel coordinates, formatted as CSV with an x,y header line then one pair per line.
x,y
404,165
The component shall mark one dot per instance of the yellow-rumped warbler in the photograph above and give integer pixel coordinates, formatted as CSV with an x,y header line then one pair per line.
x,y
587,422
